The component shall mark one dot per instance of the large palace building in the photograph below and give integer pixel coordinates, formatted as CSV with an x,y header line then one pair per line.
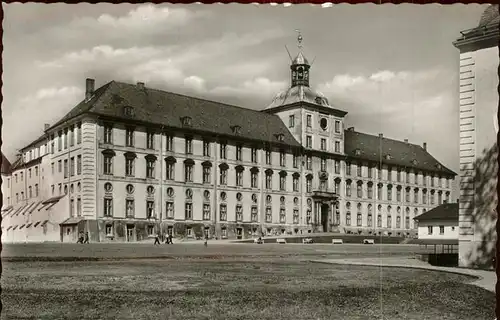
x,y
131,161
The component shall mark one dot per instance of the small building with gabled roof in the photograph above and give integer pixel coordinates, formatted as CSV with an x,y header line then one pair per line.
x,y
439,223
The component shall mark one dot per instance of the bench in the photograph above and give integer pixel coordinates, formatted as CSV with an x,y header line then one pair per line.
x,y
337,241
368,241
281,241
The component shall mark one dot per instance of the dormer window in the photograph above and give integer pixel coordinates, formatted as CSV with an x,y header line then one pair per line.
x,y
414,162
128,111
186,121
438,166
236,129
280,137
388,157
357,152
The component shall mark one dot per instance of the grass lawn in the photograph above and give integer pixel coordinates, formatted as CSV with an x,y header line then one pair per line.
x,y
239,288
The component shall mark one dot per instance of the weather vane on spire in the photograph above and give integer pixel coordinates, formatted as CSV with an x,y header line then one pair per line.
x,y
299,38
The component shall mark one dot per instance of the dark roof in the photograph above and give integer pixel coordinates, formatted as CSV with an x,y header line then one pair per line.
x,y
368,147
166,108
447,211
490,16
6,165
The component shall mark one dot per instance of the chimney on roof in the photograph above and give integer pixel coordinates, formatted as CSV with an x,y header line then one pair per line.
x,y
406,140
89,88
46,126
381,135
140,85
350,129
425,146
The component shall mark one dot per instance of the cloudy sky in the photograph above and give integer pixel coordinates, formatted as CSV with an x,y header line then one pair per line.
x,y
393,68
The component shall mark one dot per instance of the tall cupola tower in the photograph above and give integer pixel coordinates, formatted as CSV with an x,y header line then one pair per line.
x,y
300,67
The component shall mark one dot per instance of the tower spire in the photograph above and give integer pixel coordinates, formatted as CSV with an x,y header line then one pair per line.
x,y
300,66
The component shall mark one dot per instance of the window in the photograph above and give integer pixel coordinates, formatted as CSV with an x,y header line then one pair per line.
x,y
268,156
78,207
379,221
359,170
65,141
282,183
254,155
206,149
370,191
169,143
389,174
407,176
322,185
282,158
360,190
441,230
129,207
309,142
206,174
429,230
188,211
359,220
239,178
348,191
415,196
269,215
389,193
398,175
129,137
337,126
170,169
206,211
348,168
323,144
295,184
369,221
407,195
188,172
269,180
223,212
188,145
253,214
254,180
22,175
309,121
407,222
79,133
29,173
78,165
65,168
295,161
108,134
239,153
223,176
282,215
129,166
59,141
337,166
223,148
433,198
169,208
36,190
108,207
380,192
59,167
309,163
337,146
336,187
150,140
370,172
72,166
291,121
323,164
30,192
239,213
440,198
150,168
52,168
309,184
389,221
398,194
398,222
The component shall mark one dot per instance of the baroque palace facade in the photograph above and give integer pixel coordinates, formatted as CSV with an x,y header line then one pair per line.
x,y
130,161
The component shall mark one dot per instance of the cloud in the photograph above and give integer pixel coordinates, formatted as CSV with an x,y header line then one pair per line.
x,y
262,87
46,105
196,83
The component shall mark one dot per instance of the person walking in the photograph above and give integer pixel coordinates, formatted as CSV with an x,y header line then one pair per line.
x,y
157,239
170,238
80,237
86,239
206,241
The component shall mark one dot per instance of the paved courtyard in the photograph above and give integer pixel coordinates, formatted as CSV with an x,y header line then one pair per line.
x,y
232,281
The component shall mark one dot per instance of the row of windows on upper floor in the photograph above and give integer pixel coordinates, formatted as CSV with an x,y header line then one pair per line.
x,y
20,176
66,138
323,123
32,192
68,167
430,230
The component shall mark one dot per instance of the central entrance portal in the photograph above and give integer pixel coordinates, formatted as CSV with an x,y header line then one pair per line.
x,y
324,217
